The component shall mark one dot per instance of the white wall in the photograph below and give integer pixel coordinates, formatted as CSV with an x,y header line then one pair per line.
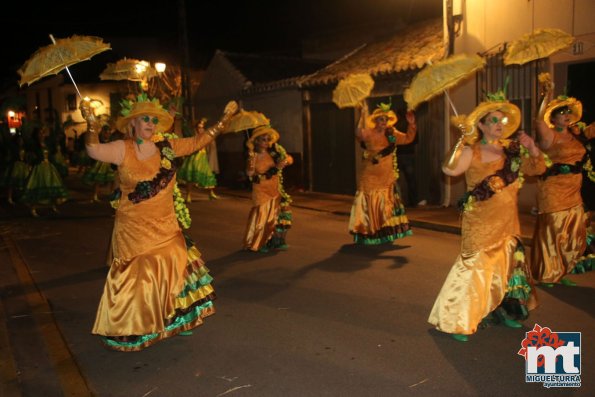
x,y
284,109
60,88
490,23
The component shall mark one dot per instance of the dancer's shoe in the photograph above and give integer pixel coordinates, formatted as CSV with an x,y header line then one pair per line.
x,y
506,319
567,282
460,337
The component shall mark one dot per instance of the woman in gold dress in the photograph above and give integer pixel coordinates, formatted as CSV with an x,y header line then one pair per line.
x,y
560,236
158,285
270,217
490,278
377,214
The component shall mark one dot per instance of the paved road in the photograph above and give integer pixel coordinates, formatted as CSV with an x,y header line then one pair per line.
x,y
324,318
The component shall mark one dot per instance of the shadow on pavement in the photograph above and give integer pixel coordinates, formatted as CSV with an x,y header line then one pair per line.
x,y
579,297
98,273
342,260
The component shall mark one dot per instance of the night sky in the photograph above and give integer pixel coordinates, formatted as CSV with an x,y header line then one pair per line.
x,y
142,29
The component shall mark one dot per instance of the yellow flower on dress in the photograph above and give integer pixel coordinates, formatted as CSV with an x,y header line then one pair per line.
x,y
519,256
496,183
165,163
157,138
468,206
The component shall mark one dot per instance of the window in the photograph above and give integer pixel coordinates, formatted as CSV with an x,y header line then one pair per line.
x,y
522,88
71,102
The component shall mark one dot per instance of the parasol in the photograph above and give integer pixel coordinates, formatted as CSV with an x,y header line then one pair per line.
x,y
245,120
128,69
56,57
436,78
352,90
541,43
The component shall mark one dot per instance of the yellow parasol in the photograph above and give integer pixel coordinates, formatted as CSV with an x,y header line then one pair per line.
x,y
541,43
128,69
352,90
438,77
245,120
56,57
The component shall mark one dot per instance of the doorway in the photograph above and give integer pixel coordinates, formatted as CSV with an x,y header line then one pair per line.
x,y
333,149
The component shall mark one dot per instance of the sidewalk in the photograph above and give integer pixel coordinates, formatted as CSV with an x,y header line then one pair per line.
x,y
443,219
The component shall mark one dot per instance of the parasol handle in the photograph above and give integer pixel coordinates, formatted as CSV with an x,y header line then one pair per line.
x,y
451,104
68,71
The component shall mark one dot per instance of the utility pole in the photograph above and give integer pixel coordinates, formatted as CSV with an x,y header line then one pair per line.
x,y
188,108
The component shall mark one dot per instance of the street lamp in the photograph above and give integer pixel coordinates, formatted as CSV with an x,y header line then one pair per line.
x,y
160,67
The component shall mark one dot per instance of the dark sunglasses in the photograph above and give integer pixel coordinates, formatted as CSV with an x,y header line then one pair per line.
x,y
496,120
563,111
146,119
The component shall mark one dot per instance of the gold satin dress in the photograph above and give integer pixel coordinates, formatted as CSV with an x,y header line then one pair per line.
x,y
377,214
269,212
560,236
158,285
491,260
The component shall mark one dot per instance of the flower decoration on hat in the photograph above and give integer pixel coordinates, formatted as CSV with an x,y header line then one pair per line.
x,y
495,102
263,130
143,106
382,110
575,108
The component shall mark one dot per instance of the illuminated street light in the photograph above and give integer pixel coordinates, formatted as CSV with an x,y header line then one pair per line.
x,y
160,67
141,67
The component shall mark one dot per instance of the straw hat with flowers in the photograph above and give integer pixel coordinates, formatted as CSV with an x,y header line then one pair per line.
x,y
574,106
143,106
383,110
260,131
496,103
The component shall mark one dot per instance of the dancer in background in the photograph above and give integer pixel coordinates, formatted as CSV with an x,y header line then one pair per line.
x,y
270,217
44,186
195,170
100,173
378,215
560,236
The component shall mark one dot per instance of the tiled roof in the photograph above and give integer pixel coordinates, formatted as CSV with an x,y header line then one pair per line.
x,y
408,49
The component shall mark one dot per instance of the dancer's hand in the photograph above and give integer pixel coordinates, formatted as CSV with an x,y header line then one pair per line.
x,y
529,143
87,110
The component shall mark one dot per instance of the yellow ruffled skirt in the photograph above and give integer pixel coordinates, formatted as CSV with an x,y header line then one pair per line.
x,y
261,224
478,283
559,241
154,296
378,217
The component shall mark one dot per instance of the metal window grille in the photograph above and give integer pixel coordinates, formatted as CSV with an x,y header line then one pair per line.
x,y
523,86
